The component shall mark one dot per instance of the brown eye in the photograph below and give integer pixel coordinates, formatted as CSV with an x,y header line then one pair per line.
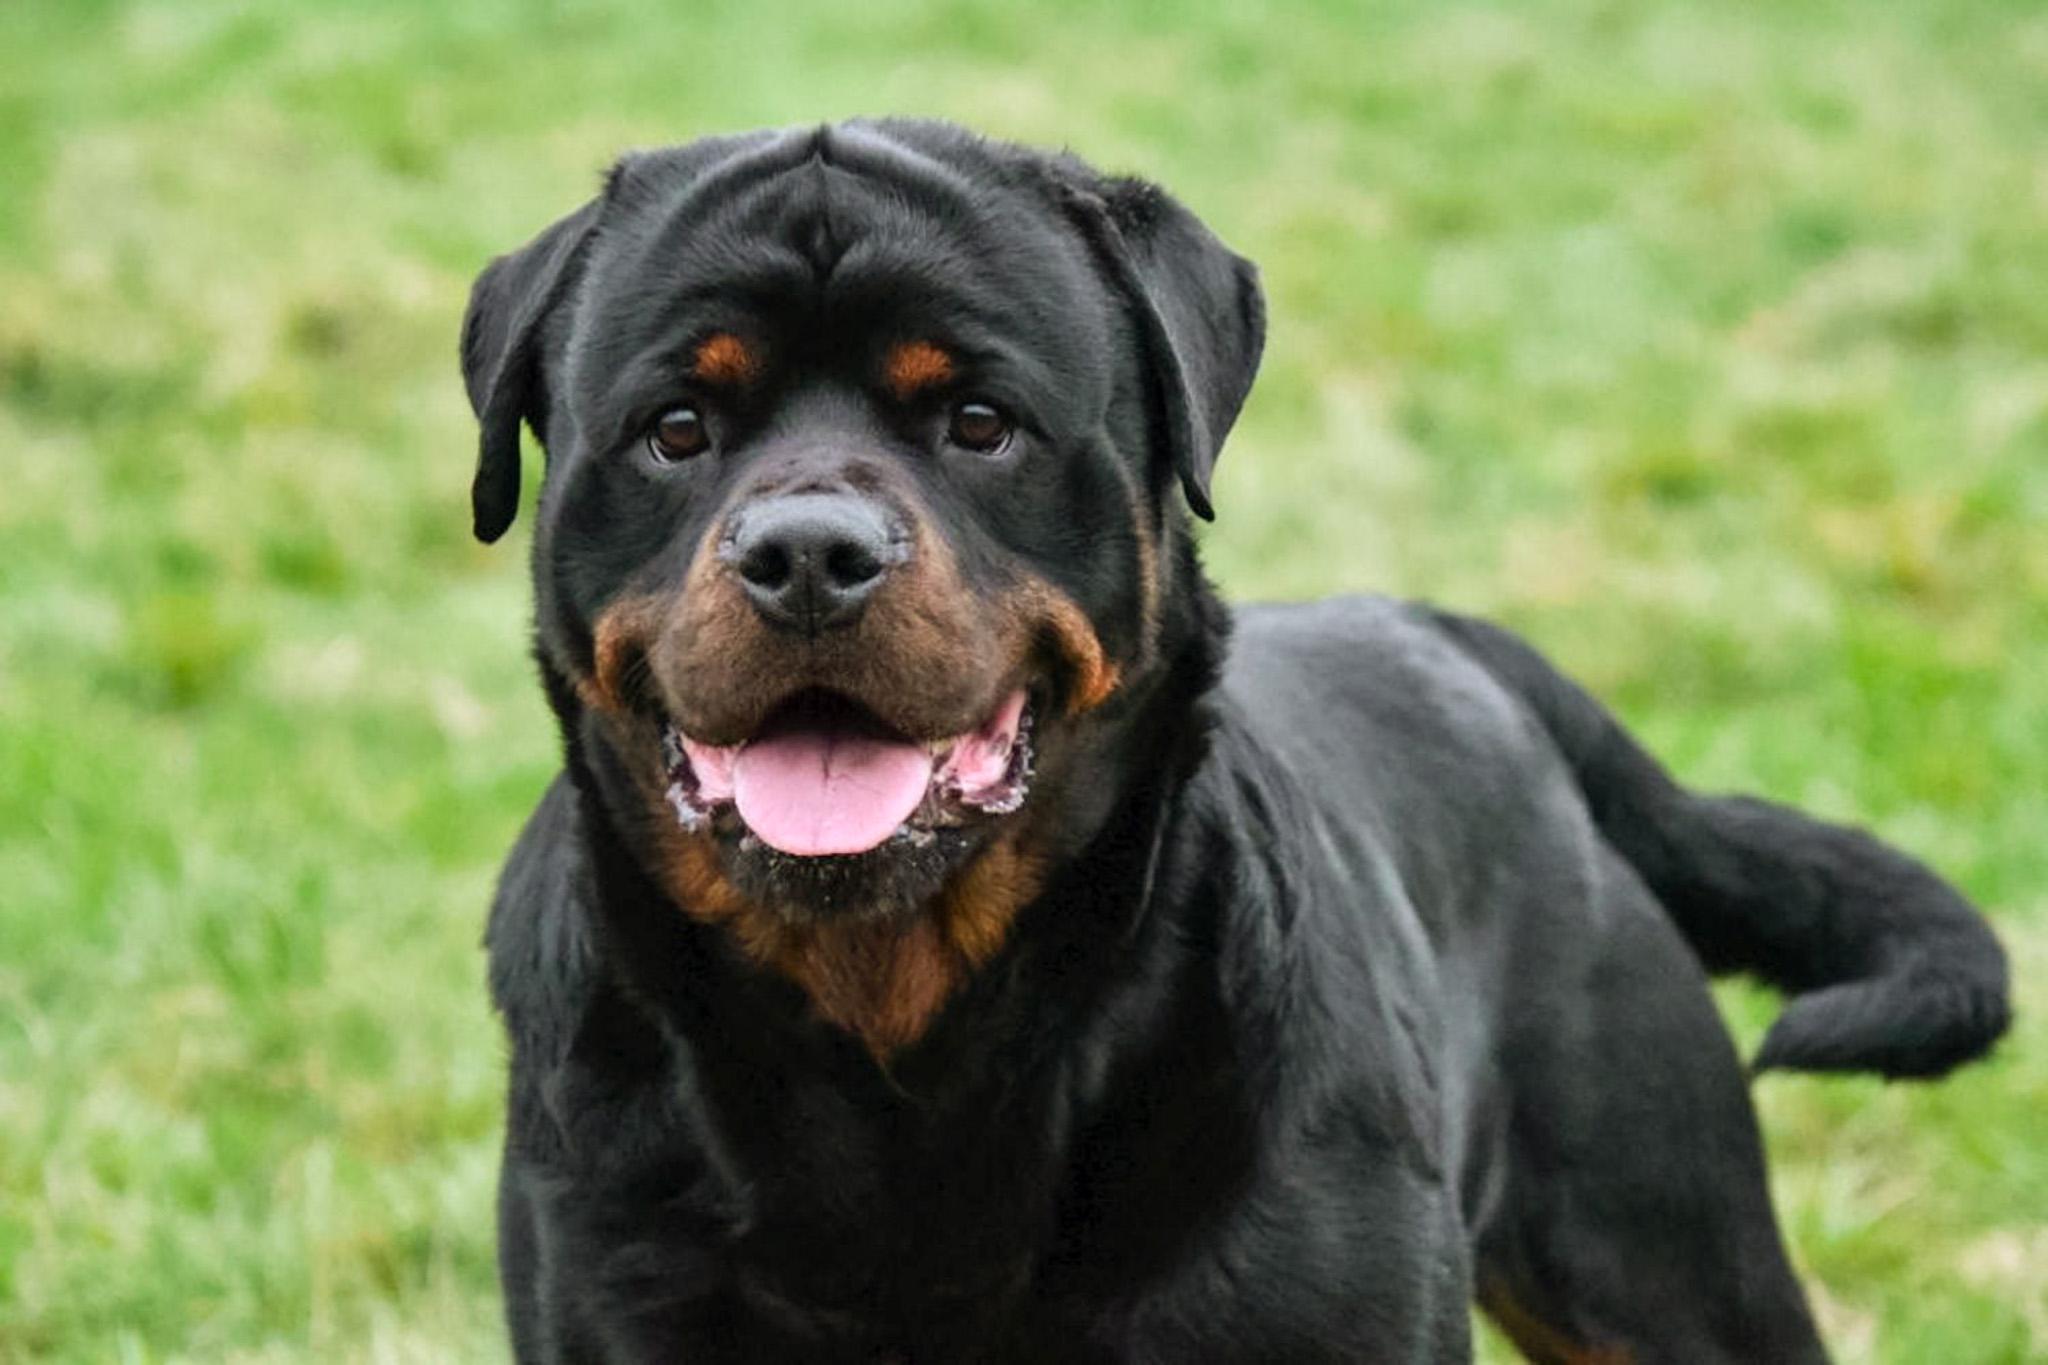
x,y
978,426
679,434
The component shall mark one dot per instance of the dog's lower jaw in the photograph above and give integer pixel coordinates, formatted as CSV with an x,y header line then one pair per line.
x,y
895,883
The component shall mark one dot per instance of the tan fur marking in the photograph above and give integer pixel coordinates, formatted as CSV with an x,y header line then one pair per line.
x,y
980,906
882,981
697,881
723,358
914,366
886,982
618,638
1539,1341
1150,588
1050,613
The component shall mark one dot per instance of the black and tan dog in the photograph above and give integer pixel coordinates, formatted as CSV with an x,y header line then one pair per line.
x,y
956,936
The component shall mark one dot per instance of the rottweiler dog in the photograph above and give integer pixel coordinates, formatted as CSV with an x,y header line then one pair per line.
x,y
955,935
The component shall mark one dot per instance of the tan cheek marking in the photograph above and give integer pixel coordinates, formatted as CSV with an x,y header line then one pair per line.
x,y
1047,611
914,366
723,358
618,638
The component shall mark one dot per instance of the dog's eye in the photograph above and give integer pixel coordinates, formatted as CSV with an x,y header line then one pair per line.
x,y
979,426
679,434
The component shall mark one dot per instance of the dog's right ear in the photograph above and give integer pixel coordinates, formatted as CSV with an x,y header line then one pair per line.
x,y
501,364
1198,305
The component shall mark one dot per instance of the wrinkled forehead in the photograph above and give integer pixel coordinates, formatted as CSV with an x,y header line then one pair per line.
x,y
846,230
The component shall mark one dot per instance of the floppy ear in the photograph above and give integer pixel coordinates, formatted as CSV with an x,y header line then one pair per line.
x,y
1199,309
501,363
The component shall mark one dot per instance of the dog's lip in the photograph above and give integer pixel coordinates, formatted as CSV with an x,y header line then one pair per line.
x,y
824,775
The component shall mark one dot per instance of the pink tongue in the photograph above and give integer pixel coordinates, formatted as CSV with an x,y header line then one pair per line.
x,y
812,792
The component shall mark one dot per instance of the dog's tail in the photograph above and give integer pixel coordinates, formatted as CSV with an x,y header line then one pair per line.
x,y
1889,968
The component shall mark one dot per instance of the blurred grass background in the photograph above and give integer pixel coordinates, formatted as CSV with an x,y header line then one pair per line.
x,y
1707,343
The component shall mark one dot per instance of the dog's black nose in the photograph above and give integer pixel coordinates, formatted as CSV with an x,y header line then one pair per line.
x,y
811,560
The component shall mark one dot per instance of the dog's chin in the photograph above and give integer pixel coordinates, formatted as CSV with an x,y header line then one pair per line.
x,y
896,880
829,812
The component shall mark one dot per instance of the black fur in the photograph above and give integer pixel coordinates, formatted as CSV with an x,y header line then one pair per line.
x,y
1368,972
1892,971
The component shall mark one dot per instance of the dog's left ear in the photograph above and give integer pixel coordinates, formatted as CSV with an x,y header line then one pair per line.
x,y
501,363
1199,307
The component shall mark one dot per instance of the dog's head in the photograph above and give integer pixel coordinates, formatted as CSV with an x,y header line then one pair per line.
x,y
866,449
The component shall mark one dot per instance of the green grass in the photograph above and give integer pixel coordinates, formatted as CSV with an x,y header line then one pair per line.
x,y
1708,344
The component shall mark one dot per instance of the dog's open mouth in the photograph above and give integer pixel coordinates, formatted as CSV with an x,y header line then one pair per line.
x,y
825,776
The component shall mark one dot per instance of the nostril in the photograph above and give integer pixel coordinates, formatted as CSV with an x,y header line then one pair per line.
x,y
850,564
810,561
766,565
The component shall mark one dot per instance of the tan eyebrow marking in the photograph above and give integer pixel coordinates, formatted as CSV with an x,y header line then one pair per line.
x,y
913,366
723,358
